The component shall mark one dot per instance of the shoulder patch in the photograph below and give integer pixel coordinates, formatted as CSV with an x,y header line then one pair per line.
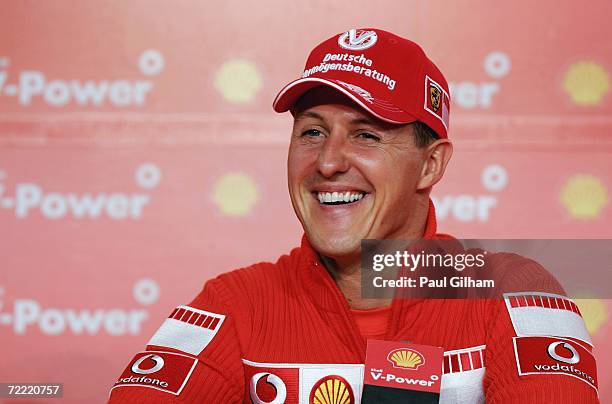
x,y
545,314
463,360
462,375
188,329
549,355
159,370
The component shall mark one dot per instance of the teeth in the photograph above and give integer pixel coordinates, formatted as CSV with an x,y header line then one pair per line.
x,y
346,197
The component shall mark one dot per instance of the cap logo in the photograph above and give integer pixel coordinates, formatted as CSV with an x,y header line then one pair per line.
x,y
357,39
356,89
434,94
437,101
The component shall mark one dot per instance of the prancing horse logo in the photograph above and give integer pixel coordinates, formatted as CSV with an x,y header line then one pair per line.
x,y
357,39
435,94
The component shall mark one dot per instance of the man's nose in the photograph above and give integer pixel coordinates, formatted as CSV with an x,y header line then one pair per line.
x,y
333,156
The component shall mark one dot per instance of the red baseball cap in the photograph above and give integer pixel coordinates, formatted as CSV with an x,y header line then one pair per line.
x,y
389,76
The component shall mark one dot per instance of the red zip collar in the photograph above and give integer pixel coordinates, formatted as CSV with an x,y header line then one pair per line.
x,y
332,304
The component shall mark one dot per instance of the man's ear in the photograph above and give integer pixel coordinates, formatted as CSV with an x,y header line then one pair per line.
x,y
436,157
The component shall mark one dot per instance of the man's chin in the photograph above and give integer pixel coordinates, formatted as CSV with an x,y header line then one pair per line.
x,y
339,247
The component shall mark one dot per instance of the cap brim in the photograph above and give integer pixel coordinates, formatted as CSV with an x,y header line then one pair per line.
x,y
385,111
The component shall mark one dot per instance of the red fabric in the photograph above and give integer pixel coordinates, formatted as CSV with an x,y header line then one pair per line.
x,y
372,323
291,312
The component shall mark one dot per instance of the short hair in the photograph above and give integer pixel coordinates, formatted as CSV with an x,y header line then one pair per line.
x,y
423,134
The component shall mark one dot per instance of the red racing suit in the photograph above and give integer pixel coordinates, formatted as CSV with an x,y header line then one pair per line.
x,y
288,324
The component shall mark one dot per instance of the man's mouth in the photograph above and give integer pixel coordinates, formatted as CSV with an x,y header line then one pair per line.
x,y
339,198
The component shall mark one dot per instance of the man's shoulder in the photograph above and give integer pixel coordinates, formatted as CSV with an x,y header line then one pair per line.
x,y
514,272
261,277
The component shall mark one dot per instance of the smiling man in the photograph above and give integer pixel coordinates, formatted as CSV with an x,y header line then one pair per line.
x,y
355,176
369,141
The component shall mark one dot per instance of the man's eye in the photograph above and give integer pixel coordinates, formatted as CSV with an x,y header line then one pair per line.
x,y
312,133
368,136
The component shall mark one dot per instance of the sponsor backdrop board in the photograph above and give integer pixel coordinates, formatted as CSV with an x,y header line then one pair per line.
x,y
139,154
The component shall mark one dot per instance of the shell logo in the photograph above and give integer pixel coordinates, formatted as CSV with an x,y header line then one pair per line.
x,y
405,359
584,196
238,81
235,194
332,389
587,83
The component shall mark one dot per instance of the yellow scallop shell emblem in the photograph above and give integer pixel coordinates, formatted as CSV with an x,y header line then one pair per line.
x,y
332,390
584,196
405,359
587,83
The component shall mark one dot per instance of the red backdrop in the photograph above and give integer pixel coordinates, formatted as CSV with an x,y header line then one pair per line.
x,y
139,155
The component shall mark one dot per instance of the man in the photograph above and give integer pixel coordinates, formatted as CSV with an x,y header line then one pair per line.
x,y
369,141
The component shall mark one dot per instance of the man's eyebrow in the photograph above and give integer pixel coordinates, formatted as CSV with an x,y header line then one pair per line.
x,y
308,114
356,121
363,121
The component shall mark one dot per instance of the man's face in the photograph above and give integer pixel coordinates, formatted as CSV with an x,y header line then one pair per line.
x,y
351,176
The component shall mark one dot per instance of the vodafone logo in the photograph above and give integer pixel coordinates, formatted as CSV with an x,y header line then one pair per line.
x,y
275,381
552,351
357,39
159,363
172,369
555,355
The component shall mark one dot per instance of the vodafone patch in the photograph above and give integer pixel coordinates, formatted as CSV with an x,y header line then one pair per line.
x,y
548,355
188,329
534,314
164,371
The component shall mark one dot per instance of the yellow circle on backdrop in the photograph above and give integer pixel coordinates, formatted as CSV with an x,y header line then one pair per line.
x,y
594,312
584,196
238,81
586,83
235,194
